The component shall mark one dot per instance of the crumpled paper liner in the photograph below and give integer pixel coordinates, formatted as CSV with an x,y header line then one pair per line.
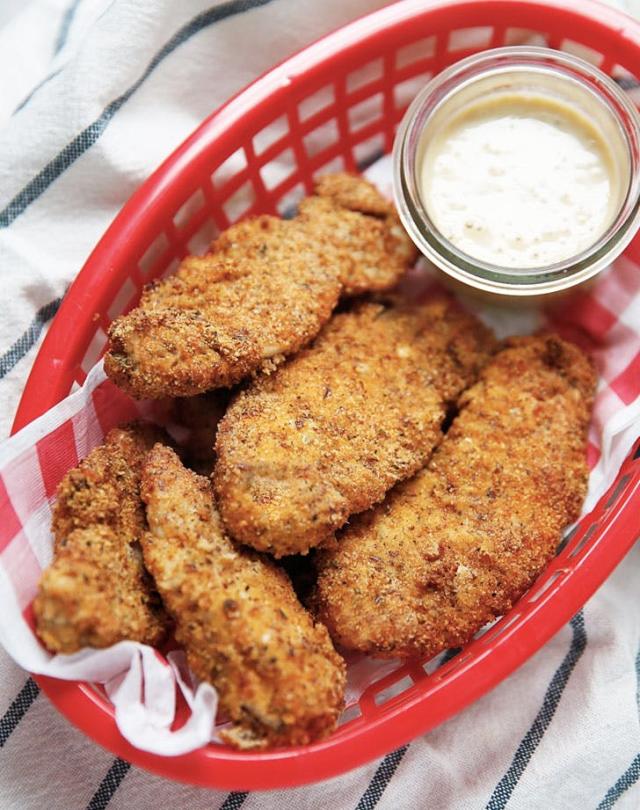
x,y
142,684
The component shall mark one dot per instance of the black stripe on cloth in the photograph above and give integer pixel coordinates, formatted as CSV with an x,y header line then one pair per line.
x,y
18,709
387,767
109,784
627,780
29,338
627,82
65,26
374,158
32,92
85,139
632,774
532,738
381,779
449,656
234,801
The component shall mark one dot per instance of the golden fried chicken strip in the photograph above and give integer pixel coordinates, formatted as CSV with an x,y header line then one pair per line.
x,y
354,193
332,430
225,314
263,291
97,592
360,232
278,677
457,545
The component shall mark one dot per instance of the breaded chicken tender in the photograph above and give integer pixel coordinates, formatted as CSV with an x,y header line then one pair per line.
x,y
455,547
333,429
263,291
97,592
351,226
225,314
360,232
278,677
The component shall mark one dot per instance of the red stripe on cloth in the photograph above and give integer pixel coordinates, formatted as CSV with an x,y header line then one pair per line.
x,y
57,453
112,406
620,349
24,485
607,404
627,384
29,616
584,320
593,455
22,568
618,287
9,522
594,318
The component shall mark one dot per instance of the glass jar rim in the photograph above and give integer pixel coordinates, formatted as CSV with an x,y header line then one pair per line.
x,y
492,277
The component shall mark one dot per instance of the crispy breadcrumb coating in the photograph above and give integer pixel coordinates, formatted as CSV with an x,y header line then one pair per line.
x,y
263,291
333,429
458,544
360,232
237,617
221,316
96,591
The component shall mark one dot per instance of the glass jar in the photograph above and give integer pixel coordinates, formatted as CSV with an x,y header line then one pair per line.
x,y
520,70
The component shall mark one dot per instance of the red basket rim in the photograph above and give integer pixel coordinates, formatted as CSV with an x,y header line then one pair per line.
x,y
220,767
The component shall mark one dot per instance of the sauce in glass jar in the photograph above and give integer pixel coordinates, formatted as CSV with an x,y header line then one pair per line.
x,y
517,171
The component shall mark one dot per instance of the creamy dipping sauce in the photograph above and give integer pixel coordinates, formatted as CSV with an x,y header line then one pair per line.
x,y
519,181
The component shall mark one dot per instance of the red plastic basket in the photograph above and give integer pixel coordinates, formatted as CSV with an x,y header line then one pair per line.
x,y
347,93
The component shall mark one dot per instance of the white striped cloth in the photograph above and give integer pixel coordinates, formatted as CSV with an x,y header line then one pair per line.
x,y
562,732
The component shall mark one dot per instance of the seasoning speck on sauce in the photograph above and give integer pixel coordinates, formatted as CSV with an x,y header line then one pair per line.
x,y
519,181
